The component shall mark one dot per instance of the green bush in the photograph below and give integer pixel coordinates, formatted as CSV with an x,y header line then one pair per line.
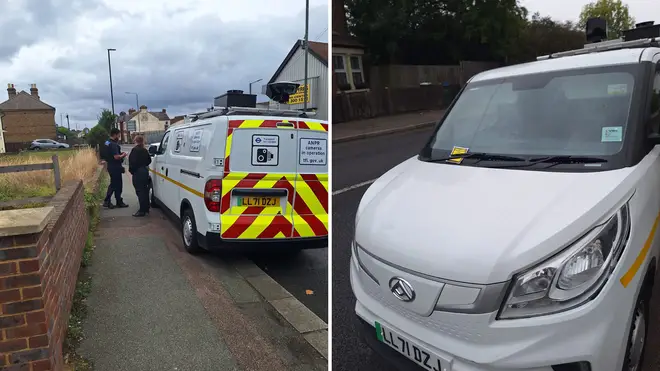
x,y
97,136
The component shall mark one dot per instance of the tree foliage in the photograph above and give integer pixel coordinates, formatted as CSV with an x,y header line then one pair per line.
x,y
107,120
439,32
66,132
97,135
615,12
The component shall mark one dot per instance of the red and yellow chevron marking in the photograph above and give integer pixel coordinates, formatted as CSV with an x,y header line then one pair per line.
x,y
305,214
306,211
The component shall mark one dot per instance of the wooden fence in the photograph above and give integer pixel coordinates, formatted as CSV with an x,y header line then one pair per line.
x,y
54,165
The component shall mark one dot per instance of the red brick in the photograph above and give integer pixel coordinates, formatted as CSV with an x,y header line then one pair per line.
x,y
8,346
26,356
29,266
38,341
22,306
36,317
19,253
12,321
26,239
7,269
26,331
31,292
43,365
14,282
8,296
3,360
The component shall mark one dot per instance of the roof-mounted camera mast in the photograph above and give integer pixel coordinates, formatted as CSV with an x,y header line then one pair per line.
x,y
234,102
645,34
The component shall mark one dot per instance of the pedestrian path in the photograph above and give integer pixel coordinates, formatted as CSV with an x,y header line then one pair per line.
x,y
360,129
155,307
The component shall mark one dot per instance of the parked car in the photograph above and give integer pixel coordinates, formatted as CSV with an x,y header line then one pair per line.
x,y
46,144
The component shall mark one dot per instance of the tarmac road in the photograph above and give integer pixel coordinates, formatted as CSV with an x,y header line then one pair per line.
x,y
305,276
354,164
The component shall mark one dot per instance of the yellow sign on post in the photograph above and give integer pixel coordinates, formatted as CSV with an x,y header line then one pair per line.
x,y
298,97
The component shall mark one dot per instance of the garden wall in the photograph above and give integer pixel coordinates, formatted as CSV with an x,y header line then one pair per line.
x,y
40,254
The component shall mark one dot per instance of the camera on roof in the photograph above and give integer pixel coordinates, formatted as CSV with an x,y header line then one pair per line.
x,y
281,90
596,30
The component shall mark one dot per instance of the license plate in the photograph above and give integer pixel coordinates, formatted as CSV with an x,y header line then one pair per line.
x,y
259,201
414,352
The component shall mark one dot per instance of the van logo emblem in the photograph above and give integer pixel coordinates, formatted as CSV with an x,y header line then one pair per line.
x,y
401,289
258,140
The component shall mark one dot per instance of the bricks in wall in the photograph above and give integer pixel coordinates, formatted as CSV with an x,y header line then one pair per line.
x,y
38,274
26,126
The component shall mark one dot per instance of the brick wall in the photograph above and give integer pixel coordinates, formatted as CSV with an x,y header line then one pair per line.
x,y
38,275
26,126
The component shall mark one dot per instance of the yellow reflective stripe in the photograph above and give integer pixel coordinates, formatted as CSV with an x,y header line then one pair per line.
x,y
641,257
226,221
196,193
301,226
257,226
315,126
304,191
250,124
228,145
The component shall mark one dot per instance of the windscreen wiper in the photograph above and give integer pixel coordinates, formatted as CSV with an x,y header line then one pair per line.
x,y
481,156
568,160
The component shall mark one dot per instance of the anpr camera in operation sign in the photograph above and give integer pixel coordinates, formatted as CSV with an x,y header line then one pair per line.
x,y
313,151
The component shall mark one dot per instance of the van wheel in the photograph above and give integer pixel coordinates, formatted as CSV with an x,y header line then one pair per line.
x,y
638,331
189,232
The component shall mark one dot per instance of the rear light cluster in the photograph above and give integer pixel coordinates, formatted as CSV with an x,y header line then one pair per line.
x,y
213,195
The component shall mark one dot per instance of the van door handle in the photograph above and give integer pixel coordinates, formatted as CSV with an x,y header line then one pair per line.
x,y
166,170
284,124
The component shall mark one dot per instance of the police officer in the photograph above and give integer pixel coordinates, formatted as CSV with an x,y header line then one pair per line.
x,y
115,159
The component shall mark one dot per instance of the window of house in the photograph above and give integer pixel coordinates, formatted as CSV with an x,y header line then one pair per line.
x,y
340,70
356,72
349,71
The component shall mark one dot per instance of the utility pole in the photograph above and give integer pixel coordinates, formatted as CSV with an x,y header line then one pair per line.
x,y
306,56
68,124
61,119
137,108
112,97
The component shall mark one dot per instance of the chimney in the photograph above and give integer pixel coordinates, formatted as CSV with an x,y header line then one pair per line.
x,y
131,111
143,107
34,91
164,111
339,18
11,91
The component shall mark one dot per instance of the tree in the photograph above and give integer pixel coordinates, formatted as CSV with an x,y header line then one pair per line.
x,y
66,132
107,120
615,12
543,36
97,135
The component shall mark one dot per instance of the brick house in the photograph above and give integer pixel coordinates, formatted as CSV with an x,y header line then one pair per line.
x,y
348,70
26,118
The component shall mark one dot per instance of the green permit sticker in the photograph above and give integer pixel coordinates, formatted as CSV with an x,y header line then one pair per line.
x,y
379,332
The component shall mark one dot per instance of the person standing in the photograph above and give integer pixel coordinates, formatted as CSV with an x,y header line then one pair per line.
x,y
114,163
138,166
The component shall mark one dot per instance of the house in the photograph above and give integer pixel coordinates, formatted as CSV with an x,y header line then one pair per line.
x,y
144,121
83,133
292,69
26,118
177,120
347,54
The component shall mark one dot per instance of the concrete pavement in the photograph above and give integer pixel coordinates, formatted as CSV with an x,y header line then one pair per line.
x,y
361,129
155,307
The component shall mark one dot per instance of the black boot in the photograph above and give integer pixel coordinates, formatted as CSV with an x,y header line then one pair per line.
x,y
108,204
140,214
121,204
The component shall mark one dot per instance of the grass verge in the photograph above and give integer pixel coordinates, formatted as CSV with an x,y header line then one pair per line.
x,y
74,333
74,164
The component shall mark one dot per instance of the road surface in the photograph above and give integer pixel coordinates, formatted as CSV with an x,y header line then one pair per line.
x,y
305,276
354,165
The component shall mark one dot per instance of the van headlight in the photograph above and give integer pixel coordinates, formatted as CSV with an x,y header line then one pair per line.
x,y
572,277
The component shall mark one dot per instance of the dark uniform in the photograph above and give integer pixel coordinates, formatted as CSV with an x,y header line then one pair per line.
x,y
138,166
115,169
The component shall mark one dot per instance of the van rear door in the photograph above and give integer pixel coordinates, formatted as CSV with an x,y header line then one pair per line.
x,y
310,204
259,175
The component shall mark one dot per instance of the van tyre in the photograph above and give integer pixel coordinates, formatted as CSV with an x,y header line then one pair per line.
x,y
152,198
638,331
189,232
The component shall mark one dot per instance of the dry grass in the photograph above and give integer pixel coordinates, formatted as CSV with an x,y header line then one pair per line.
x,y
78,164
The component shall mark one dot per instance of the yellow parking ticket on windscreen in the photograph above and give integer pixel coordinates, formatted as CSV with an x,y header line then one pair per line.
x,y
457,151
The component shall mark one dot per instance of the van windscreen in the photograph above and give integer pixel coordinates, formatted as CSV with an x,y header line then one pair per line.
x,y
570,113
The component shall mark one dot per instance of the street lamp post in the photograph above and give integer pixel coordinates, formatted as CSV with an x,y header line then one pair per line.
x,y
137,108
254,82
112,96
306,55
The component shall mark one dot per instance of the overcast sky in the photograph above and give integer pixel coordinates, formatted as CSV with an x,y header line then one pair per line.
x,y
569,10
175,54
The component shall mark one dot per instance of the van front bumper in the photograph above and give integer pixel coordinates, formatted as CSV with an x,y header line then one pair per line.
x,y
592,337
213,241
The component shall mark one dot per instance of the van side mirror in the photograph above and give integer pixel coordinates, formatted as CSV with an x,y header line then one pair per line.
x,y
153,150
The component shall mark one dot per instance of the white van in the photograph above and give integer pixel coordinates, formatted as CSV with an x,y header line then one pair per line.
x,y
242,174
523,236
